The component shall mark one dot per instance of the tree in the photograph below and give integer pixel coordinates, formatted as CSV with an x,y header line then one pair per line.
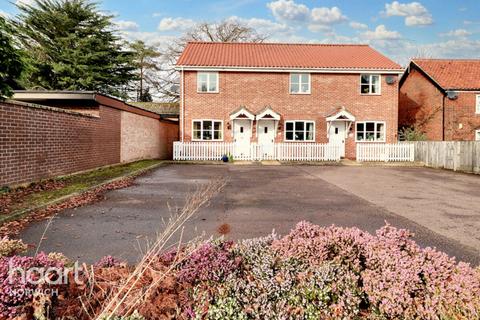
x,y
225,31
146,64
11,65
72,46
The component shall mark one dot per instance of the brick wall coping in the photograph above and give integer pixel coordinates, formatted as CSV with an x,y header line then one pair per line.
x,y
53,109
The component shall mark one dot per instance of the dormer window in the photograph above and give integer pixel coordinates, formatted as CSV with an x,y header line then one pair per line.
x,y
207,82
370,84
299,83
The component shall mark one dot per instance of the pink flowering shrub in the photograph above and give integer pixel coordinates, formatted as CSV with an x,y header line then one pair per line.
x,y
15,290
209,262
108,262
399,278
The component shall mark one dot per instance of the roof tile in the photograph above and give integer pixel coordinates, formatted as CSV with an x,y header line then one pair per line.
x,y
283,55
452,74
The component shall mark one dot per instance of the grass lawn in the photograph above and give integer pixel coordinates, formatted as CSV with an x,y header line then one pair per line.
x,y
43,192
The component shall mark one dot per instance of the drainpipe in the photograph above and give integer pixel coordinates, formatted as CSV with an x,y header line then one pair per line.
x,y
182,105
443,117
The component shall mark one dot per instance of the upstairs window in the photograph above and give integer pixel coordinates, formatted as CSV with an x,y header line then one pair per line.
x,y
370,84
299,130
208,130
207,82
370,131
477,104
477,135
300,83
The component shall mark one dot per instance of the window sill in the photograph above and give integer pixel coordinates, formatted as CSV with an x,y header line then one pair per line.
x,y
363,141
300,93
206,92
370,94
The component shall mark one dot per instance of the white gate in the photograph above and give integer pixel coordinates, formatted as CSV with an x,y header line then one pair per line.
x,y
386,152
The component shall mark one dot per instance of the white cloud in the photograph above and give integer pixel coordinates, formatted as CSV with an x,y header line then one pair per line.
x,y
414,12
25,2
180,24
288,10
358,25
264,26
459,33
127,25
317,19
4,14
381,33
327,16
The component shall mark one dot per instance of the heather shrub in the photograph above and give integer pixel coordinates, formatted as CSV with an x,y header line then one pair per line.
x,y
10,247
210,261
316,245
267,286
108,262
16,291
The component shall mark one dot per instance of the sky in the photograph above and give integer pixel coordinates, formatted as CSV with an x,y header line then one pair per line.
x,y
399,29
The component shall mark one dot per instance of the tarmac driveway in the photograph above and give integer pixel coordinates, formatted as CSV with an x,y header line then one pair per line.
x,y
442,208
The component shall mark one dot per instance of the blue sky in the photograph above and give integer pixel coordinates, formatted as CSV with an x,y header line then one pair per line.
x,y
400,29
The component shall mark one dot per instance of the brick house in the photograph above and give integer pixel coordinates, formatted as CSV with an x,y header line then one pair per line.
x,y
270,93
441,98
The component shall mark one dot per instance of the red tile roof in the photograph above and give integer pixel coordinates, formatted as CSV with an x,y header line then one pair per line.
x,y
282,55
452,74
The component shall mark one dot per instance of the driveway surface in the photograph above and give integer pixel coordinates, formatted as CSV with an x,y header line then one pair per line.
x,y
442,208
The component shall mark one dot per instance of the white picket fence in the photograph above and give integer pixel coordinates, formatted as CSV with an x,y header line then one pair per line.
x,y
256,152
387,152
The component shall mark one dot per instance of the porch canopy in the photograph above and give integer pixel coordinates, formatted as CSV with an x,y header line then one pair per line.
x,y
341,115
268,114
242,113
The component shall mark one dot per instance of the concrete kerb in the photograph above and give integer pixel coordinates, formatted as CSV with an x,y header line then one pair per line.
x,y
25,212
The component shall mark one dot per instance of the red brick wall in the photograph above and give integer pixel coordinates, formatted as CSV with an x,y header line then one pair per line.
x,y
461,121
421,103
257,90
38,142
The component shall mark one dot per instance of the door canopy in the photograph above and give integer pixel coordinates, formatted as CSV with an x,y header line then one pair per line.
x,y
268,114
242,113
341,115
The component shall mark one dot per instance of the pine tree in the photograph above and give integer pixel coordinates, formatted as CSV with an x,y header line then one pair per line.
x,y
144,60
72,46
11,64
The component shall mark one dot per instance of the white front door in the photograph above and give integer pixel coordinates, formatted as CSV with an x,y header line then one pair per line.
x,y
266,136
242,131
336,135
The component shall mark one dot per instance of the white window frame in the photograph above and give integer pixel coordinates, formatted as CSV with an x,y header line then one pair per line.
x,y
300,83
370,84
375,131
208,81
304,130
477,135
213,129
477,104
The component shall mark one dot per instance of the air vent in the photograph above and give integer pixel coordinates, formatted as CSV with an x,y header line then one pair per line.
x,y
390,79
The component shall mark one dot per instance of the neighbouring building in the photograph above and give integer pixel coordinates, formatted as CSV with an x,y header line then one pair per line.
x,y
269,93
49,133
441,98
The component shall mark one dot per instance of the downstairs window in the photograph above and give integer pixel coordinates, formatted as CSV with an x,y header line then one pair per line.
x,y
207,130
370,131
299,130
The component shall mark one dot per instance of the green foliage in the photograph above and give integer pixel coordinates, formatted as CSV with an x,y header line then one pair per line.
x,y
72,46
411,134
11,65
146,66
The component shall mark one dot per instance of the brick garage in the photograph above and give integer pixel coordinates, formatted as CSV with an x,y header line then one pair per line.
x,y
39,142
